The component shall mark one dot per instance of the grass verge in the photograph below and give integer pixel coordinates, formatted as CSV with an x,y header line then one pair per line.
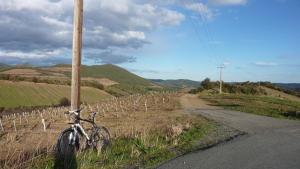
x,y
260,105
143,151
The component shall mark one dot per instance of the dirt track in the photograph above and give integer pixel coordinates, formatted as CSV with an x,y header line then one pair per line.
x,y
270,143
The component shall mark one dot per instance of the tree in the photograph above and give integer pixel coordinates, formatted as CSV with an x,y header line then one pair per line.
x,y
206,84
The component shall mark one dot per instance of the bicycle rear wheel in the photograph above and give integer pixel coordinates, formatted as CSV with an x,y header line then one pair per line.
x,y
100,138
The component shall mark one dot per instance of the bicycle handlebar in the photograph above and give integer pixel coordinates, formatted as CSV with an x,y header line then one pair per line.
x,y
76,112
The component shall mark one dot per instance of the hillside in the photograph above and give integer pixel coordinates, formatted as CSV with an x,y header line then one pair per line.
x,y
289,86
53,82
3,66
14,94
180,83
108,71
114,73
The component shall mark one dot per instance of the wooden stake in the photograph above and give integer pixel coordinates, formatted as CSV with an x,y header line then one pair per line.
x,y
1,125
146,106
15,125
76,60
44,124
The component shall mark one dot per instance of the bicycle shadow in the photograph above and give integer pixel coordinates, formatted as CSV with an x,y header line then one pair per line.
x,y
69,162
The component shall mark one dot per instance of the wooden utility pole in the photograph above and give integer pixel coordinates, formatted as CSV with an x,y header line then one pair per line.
x,y
221,69
76,59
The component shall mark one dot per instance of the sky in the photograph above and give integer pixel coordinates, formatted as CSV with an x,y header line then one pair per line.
x,y
172,39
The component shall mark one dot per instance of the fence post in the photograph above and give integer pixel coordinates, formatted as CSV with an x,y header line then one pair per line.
x,y
146,106
1,125
14,121
44,124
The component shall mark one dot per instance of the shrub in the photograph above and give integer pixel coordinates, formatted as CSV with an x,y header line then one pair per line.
x,y
4,76
207,84
34,80
64,102
2,109
195,91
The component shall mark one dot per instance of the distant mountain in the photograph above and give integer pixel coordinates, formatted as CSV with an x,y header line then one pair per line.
x,y
179,83
289,86
3,65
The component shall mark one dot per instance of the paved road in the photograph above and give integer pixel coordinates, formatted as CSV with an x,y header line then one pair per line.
x,y
270,143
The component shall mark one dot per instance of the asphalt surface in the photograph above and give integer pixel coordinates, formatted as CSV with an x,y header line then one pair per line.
x,y
270,143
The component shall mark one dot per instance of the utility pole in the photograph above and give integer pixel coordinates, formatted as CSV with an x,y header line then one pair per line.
x,y
221,69
76,59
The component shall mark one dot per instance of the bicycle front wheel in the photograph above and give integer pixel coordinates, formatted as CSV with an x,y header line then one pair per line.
x,y
100,138
66,149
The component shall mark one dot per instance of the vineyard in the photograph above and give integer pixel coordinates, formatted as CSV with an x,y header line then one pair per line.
x,y
28,135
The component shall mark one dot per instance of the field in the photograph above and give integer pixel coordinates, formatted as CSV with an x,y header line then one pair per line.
x,y
113,79
15,94
257,104
145,130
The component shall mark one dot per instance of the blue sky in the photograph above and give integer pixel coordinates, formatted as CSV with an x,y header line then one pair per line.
x,y
173,39
256,41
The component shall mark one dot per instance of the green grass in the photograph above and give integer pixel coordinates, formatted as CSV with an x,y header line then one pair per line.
x,y
145,152
26,94
260,105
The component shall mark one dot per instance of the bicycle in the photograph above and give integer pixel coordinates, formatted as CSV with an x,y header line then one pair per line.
x,y
71,139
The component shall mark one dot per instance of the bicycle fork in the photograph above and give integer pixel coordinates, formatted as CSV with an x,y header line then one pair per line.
x,y
72,136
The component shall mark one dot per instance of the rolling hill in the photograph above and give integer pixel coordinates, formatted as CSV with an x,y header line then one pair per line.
x,y
178,84
39,86
114,73
108,71
3,66
289,86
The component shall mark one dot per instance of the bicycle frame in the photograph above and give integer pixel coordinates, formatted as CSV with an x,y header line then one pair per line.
x,y
77,128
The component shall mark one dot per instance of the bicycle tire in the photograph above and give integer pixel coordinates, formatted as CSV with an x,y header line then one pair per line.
x,y
100,138
65,152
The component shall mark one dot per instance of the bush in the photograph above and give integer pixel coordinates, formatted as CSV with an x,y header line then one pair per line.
x,y
4,77
207,84
64,102
195,91
34,80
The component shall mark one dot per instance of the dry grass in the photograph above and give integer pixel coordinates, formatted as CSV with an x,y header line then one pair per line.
x,y
279,94
104,81
125,118
25,72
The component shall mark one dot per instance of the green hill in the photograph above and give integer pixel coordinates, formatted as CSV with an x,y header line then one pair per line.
x,y
114,73
53,83
3,66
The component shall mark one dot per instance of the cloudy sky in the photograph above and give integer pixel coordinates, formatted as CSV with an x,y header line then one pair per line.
x,y
169,39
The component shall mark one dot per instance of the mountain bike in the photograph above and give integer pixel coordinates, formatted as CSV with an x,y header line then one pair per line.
x,y
77,138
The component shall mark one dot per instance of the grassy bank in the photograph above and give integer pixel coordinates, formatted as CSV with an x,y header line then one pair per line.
x,y
260,105
146,150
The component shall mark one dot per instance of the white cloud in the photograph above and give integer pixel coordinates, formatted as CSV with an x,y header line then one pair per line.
x,y
29,55
205,12
227,2
28,28
226,63
266,64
